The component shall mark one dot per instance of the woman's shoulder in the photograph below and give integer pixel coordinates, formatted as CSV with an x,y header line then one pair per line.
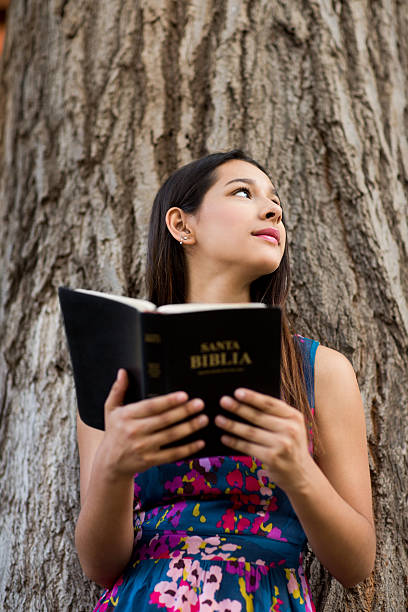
x,y
336,389
330,363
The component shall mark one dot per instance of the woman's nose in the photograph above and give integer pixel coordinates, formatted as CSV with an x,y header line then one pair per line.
x,y
272,211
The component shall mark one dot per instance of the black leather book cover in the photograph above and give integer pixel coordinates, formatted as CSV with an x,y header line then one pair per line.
x,y
206,353
209,354
103,335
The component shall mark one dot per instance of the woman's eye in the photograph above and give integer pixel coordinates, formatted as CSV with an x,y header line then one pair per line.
x,y
243,190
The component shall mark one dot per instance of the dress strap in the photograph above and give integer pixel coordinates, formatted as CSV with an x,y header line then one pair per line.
x,y
308,349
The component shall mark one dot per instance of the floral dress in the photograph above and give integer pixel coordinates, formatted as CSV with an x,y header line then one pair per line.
x,y
215,534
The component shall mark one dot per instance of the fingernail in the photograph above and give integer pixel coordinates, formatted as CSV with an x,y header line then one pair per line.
x,y
220,420
181,396
197,403
227,401
240,393
202,419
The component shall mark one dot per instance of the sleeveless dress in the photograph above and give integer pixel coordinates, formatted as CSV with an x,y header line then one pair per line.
x,y
215,535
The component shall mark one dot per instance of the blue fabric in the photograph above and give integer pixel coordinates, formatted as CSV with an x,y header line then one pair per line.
x,y
215,534
308,350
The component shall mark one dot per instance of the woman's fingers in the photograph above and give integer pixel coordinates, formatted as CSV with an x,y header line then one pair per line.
x,y
245,431
270,424
176,453
255,416
266,403
138,431
118,390
177,432
170,417
157,405
244,447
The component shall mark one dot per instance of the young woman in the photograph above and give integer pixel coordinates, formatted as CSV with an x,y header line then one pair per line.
x,y
226,533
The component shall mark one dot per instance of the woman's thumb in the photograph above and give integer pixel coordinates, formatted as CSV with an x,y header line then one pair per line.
x,y
118,390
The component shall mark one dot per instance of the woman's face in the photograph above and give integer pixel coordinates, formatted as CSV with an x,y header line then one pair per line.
x,y
239,223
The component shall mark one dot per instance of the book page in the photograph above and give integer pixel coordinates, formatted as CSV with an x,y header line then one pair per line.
x,y
142,305
176,308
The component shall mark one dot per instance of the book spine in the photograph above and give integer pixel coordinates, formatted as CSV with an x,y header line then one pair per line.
x,y
153,358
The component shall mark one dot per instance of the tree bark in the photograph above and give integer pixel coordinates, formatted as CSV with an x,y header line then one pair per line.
x,y
99,101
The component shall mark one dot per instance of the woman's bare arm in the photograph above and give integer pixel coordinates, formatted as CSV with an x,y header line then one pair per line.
x,y
331,497
104,531
341,532
131,443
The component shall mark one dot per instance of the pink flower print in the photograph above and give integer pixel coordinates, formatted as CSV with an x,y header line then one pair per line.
x,y
276,602
293,585
155,549
243,524
174,539
239,499
175,513
173,485
108,596
175,598
253,575
193,544
248,461
227,520
180,595
251,483
256,523
195,484
272,504
220,552
229,605
266,482
230,547
213,540
276,534
212,581
263,476
235,567
176,568
309,605
205,462
234,479
209,462
136,487
102,604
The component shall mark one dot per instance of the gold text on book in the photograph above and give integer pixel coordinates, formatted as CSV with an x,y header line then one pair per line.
x,y
153,338
222,353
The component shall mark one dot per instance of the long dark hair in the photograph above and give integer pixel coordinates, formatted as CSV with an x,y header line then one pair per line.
x,y
166,273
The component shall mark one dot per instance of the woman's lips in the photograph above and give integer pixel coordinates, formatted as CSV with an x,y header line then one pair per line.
x,y
268,238
270,234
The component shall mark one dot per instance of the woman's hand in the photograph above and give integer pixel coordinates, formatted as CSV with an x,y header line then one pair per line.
x,y
135,433
277,435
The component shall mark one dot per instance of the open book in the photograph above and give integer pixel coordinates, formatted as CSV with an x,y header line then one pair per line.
x,y
207,350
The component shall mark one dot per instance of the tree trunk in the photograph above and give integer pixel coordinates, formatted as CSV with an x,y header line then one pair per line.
x,y
99,101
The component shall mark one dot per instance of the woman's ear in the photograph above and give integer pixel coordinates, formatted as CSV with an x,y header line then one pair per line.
x,y
177,224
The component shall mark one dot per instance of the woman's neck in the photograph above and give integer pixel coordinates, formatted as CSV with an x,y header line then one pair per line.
x,y
218,289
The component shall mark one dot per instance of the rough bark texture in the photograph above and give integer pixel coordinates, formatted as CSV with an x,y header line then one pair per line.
x,y
99,101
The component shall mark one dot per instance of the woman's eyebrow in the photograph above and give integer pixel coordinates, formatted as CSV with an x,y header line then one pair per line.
x,y
250,182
